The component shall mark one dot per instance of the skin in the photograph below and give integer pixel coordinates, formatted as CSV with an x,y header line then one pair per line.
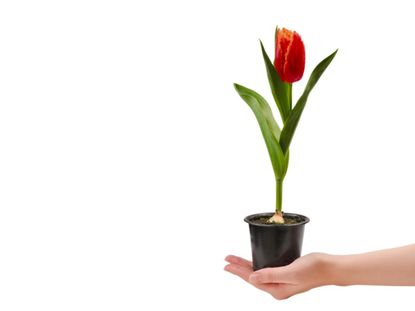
x,y
394,266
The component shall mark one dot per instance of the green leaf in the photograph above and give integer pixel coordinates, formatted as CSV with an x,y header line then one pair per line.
x,y
269,128
287,159
281,91
292,121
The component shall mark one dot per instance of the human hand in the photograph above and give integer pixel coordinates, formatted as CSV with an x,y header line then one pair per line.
x,y
303,274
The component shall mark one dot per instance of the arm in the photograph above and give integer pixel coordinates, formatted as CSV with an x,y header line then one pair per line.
x,y
386,267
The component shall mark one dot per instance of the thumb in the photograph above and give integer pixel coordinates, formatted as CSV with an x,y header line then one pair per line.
x,y
271,275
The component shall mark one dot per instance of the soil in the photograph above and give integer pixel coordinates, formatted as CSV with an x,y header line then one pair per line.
x,y
289,220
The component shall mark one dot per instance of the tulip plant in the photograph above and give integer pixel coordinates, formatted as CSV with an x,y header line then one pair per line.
x,y
288,68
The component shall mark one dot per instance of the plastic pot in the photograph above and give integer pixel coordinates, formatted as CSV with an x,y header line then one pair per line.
x,y
275,245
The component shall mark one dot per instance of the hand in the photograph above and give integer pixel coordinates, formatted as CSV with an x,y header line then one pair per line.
x,y
303,274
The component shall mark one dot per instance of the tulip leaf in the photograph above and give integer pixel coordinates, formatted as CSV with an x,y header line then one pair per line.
x,y
269,128
281,91
290,125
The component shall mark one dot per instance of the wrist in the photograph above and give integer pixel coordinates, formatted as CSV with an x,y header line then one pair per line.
x,y
326,267
335,270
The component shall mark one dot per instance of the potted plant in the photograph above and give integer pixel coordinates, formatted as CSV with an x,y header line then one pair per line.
x,y
276,238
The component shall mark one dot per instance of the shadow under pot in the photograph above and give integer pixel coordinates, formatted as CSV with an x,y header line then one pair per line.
x,y
275,245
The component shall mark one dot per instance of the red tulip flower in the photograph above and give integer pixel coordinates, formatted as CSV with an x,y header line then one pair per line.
x,y
289,55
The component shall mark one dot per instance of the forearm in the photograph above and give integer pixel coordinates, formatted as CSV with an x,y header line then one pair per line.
x,y
386,267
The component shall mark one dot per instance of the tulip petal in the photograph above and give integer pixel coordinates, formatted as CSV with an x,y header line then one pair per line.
x,y
295,59
281,46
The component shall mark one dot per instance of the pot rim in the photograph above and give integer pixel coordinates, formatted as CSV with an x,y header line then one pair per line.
x,y
248,219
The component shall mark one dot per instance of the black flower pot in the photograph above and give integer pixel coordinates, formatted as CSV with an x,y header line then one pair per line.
x,y
275,245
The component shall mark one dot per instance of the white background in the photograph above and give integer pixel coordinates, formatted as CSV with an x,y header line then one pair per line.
x,y
128,161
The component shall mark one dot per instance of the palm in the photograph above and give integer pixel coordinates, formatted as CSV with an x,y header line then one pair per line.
x,y
281,282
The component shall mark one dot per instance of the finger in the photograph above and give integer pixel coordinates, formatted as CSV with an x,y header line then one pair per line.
x,y
239,261
271,275
244,273
238,270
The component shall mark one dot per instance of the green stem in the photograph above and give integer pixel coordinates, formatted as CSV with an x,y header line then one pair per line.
x,y
279,196
290,96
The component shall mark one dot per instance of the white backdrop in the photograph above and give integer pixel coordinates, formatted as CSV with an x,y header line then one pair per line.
x,y
128,161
